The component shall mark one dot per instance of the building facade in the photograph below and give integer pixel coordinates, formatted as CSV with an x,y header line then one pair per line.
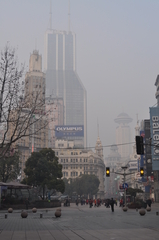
x,y
55,108
62,80
123,135
76,162
37,132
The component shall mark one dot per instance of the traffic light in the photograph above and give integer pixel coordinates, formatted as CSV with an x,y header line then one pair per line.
x,y
139,145
107,172
141,171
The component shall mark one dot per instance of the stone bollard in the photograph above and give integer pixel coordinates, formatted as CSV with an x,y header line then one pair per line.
x,y
58,214
34,210
5,215
41,215
24,214
148,209
10,210
125,209
58,209
142,212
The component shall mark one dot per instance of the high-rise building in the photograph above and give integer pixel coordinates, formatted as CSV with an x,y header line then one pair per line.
x,y
123,135
36,135
55,117
62,80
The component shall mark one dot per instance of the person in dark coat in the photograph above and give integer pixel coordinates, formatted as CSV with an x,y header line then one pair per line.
x,y
112,204
149,202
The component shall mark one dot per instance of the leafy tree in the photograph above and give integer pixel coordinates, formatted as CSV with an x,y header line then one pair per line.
x,y
9,167
83,185
133,191
42,169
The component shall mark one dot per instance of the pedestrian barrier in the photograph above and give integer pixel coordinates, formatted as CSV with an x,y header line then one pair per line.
x,y
41,215
58,213
156,213
10,210
125,209
24,214
34,210
5,215
142,212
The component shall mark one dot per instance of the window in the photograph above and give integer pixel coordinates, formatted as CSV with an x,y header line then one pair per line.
x,y
80,160
71,159
84,160
66,160
61,160
76,160
76,173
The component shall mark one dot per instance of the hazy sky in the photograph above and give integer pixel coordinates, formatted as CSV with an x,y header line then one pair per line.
x,y
117,52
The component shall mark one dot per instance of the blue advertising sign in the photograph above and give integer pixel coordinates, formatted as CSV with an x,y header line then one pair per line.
x,y
125,185
69,131
154,126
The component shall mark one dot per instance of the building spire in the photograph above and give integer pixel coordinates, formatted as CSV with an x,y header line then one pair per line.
x,y
68,15
50,14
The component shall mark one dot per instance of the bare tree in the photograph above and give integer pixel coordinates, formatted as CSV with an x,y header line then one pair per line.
x,y
22,113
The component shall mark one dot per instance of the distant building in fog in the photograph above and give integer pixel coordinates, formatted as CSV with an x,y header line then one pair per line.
x,y
62,80
123,135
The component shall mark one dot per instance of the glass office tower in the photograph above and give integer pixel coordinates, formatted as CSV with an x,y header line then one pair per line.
x,y
61,77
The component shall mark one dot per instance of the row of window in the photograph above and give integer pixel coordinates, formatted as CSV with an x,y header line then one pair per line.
x,y
80,167
73,174
75,160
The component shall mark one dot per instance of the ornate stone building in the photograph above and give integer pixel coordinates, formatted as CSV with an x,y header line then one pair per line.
x,y
76,162
36,135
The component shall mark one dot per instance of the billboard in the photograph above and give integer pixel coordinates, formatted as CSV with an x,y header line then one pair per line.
x,y
62,131
154,127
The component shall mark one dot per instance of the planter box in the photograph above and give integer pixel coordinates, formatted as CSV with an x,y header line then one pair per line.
x,y
46,204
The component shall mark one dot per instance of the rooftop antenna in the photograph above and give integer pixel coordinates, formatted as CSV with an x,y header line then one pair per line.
x,y
98,127
50,14
68,15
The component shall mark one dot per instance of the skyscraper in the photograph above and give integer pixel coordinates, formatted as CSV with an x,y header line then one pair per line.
x,y
123,135
62,80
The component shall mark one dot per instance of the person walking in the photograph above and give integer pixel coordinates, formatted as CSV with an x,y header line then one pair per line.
x,y
112,205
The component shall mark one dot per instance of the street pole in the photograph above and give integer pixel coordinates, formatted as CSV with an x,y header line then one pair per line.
x,y
124,188
124,174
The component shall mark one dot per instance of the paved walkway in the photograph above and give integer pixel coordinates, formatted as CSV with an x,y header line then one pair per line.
x,y
81,223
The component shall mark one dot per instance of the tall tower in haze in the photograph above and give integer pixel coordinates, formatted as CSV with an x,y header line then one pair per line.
x,y
123,135
62,80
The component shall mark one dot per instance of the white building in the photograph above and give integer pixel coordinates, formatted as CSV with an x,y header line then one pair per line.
x,y
76,162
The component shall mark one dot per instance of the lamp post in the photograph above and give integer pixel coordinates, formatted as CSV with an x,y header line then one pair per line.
x,y
124,174
124,168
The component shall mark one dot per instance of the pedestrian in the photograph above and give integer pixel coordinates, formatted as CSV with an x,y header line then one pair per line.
x,y
112,205
95,202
